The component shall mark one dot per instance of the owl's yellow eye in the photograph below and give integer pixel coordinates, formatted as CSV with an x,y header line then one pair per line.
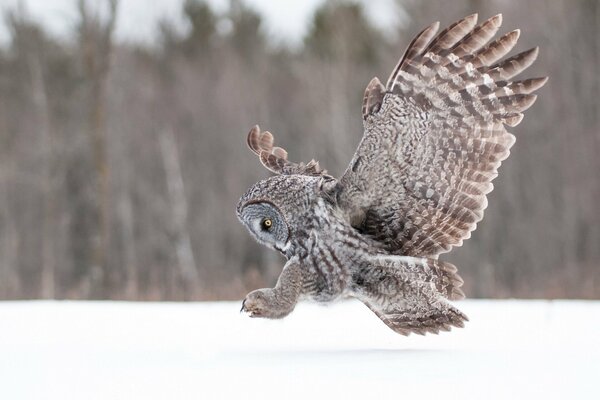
x,y
267,223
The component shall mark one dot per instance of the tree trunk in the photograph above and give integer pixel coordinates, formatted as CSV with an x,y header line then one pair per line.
x,y
179,209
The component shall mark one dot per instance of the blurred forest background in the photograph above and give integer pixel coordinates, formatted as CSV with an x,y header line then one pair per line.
x,y
121,164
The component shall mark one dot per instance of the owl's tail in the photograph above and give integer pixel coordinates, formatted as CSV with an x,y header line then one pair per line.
x,y
410,295
443,275
446,279
406,320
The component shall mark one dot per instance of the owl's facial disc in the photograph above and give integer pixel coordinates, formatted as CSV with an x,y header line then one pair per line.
x,y
266,224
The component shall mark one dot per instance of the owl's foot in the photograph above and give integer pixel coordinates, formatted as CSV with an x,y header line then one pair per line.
x,y
256,304
267,303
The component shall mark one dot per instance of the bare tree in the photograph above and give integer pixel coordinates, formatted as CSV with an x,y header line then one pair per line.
x,y
46,142
96,47
179,210
121,165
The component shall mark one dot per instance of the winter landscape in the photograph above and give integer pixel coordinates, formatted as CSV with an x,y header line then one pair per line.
x,y
124,152
109,350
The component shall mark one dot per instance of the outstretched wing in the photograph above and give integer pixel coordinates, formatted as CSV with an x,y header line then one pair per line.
x,y
408,294
275,158
435,136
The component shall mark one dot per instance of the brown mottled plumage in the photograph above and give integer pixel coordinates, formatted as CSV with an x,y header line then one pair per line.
x,y
434,139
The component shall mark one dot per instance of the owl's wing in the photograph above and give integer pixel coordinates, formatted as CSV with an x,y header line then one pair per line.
x,y
409,294
435,136
275,158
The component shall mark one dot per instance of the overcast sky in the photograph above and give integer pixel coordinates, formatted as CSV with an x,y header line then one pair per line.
x,y
284,20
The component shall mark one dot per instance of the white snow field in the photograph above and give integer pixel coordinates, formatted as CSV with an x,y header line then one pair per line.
x,y
118,350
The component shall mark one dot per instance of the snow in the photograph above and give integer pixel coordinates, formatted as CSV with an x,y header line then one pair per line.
x,y
118,350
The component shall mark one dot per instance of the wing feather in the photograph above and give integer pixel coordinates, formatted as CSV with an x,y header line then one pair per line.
x,y
275,159
452,35
476,39
416,47
432,146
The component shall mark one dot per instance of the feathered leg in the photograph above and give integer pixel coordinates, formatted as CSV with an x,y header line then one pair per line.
x,y
279,301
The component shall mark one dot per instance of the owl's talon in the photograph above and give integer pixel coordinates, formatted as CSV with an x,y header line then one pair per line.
x,y
255,304
246,309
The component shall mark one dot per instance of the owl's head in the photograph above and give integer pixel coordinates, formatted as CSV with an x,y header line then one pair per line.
x,y
273,207
266,223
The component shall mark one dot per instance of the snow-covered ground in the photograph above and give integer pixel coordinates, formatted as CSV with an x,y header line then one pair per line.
x,y
113,350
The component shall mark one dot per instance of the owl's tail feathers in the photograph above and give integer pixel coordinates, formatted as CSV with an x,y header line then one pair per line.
x,y
443,275
413,320
439,320
446,280
411,294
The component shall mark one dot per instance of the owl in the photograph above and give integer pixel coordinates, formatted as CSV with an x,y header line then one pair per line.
x,y
434,137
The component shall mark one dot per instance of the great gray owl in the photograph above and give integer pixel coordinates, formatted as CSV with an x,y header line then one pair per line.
x,y
434,137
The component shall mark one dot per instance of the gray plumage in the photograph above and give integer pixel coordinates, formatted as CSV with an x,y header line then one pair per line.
x,y
434,137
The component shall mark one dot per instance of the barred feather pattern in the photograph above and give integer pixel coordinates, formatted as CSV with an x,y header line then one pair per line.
x,y
275,159
434,138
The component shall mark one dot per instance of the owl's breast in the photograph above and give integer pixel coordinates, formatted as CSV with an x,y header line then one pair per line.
x,y
328,270
330,253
